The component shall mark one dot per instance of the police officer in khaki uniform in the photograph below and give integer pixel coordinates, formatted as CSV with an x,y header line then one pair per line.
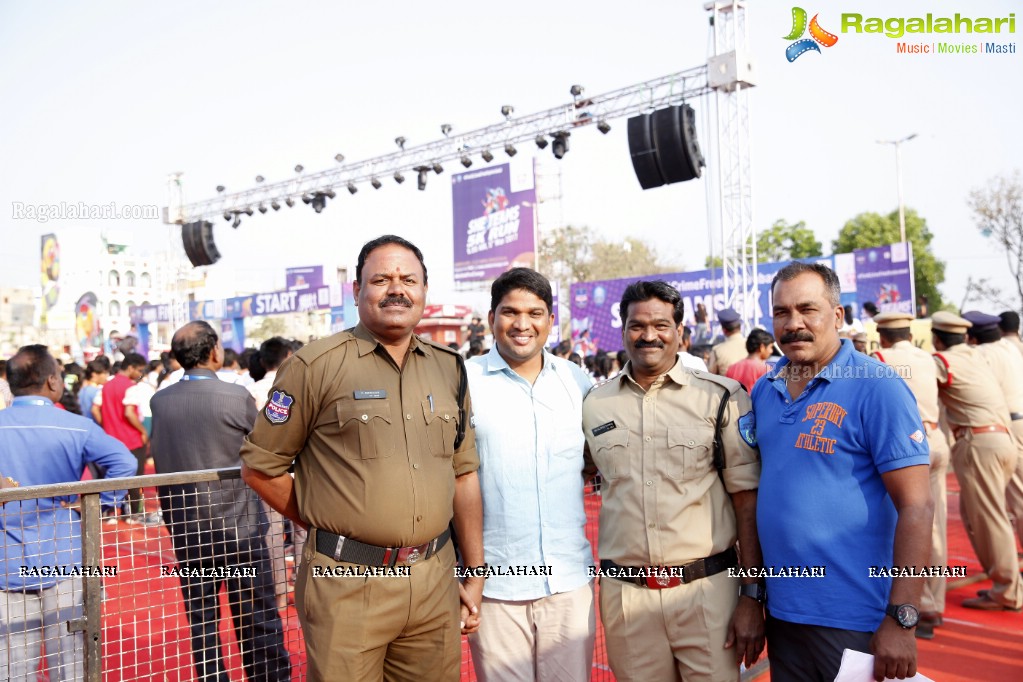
x,y
916,367
1007,363
984,456
650,431
384,459
733,348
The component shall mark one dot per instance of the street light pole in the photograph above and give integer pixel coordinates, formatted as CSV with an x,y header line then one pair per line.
x,y
898,173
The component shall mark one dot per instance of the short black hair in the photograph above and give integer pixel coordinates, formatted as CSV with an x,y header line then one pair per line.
x,y
132,360
384,240
256,369
640,291
731,326
273,352
794,269
521,278
30,368
949,339
894,335
230,357
1009,322
756,339
985,334
687,334
870,308
193,343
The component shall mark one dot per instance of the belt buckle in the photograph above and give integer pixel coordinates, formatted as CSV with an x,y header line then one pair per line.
x,y
410,555
662,579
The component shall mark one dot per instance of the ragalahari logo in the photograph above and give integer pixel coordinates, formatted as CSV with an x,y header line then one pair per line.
x,y
817,35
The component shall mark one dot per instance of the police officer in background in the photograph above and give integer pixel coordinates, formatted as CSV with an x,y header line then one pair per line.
x,y
916,366
1007,364
733,348
376,422
651,431
984,457
1008,323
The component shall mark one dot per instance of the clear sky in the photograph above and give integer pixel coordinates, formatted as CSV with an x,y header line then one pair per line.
x,y
102,100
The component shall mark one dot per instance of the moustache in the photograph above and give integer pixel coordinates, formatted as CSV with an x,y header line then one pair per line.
x,y
792,337
396,300
649,344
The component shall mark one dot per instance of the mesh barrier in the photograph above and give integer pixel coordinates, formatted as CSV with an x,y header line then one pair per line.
x,y
202,584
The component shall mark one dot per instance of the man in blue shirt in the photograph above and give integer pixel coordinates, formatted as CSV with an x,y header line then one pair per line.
x,y
41,445
539,622
844,487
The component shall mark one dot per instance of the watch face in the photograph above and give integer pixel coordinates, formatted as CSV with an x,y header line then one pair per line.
x,y
907,615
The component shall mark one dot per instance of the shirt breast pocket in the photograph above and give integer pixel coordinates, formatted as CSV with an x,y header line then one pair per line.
x,y
441,426
365,428
612,453
689,453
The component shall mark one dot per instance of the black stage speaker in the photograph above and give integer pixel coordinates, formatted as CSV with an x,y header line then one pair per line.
x,y
643,152
197,238
664,147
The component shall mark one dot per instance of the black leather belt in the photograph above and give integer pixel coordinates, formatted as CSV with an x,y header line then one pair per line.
x,y
657,577
340,548
1016,416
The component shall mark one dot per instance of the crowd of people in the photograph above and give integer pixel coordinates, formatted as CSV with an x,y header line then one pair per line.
x,y
781,487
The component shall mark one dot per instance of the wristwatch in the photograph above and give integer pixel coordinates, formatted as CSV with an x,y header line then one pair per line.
x,y
905,615
754,591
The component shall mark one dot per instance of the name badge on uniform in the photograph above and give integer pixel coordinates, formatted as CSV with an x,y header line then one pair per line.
x,y
604,428
371,395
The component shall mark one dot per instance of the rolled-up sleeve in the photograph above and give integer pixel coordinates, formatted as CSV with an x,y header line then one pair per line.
x,y
738,436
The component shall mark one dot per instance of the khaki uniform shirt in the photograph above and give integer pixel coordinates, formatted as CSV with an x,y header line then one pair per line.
x,y
1008,367
1014,341
372,444
727,353
663,502
916,366
969,389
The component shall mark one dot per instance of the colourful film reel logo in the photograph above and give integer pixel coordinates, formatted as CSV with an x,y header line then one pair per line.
x,y
818,36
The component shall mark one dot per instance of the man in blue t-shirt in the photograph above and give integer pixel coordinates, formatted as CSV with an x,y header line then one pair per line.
x,y
844,511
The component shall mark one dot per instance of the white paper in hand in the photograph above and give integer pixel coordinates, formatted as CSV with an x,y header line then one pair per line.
x,y
859,667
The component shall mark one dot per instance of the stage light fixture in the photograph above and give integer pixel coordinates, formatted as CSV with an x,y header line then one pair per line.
x,y
262,208
248,210
319,201
466,161
604,127
329,193
507,110
398,177
299,168
260,178
352,189
445,129
437,168
577,91
541,141
220,188
290,202
510,150
307,199
400,141
560,146
423,171
237,221
487,156
227,216
340,158
275,205
376,183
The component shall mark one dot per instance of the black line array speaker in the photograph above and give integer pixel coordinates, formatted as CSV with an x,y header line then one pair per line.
x,y
664,147
197,238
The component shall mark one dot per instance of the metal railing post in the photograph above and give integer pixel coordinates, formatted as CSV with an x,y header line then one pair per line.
x,y
91,623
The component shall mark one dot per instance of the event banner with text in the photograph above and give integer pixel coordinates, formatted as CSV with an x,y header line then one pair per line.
x,y
494,220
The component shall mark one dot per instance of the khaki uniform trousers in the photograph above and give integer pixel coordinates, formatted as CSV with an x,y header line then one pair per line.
x,y
984,463
676,633
371,628
1014,493
932,600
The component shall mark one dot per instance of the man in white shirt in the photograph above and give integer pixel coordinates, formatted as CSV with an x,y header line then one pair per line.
x,y
539,623
685,357
272,354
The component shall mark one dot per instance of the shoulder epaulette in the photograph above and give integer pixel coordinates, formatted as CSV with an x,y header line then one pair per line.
x,y
439,346
602,382
309,352
731,385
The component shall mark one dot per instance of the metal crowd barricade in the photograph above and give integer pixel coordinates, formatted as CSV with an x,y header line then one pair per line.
x,y
128,610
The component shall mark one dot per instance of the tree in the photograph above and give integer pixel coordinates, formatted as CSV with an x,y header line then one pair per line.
x,y
998,212
577,254
872,229
781,242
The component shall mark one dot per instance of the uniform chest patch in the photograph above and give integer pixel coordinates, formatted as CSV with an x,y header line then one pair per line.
x,y
278,408
748,429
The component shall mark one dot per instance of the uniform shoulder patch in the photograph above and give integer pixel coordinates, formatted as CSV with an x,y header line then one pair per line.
x,y
278,408
748,429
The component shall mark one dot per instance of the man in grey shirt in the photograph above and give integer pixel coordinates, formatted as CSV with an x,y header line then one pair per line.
x,y
217,528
